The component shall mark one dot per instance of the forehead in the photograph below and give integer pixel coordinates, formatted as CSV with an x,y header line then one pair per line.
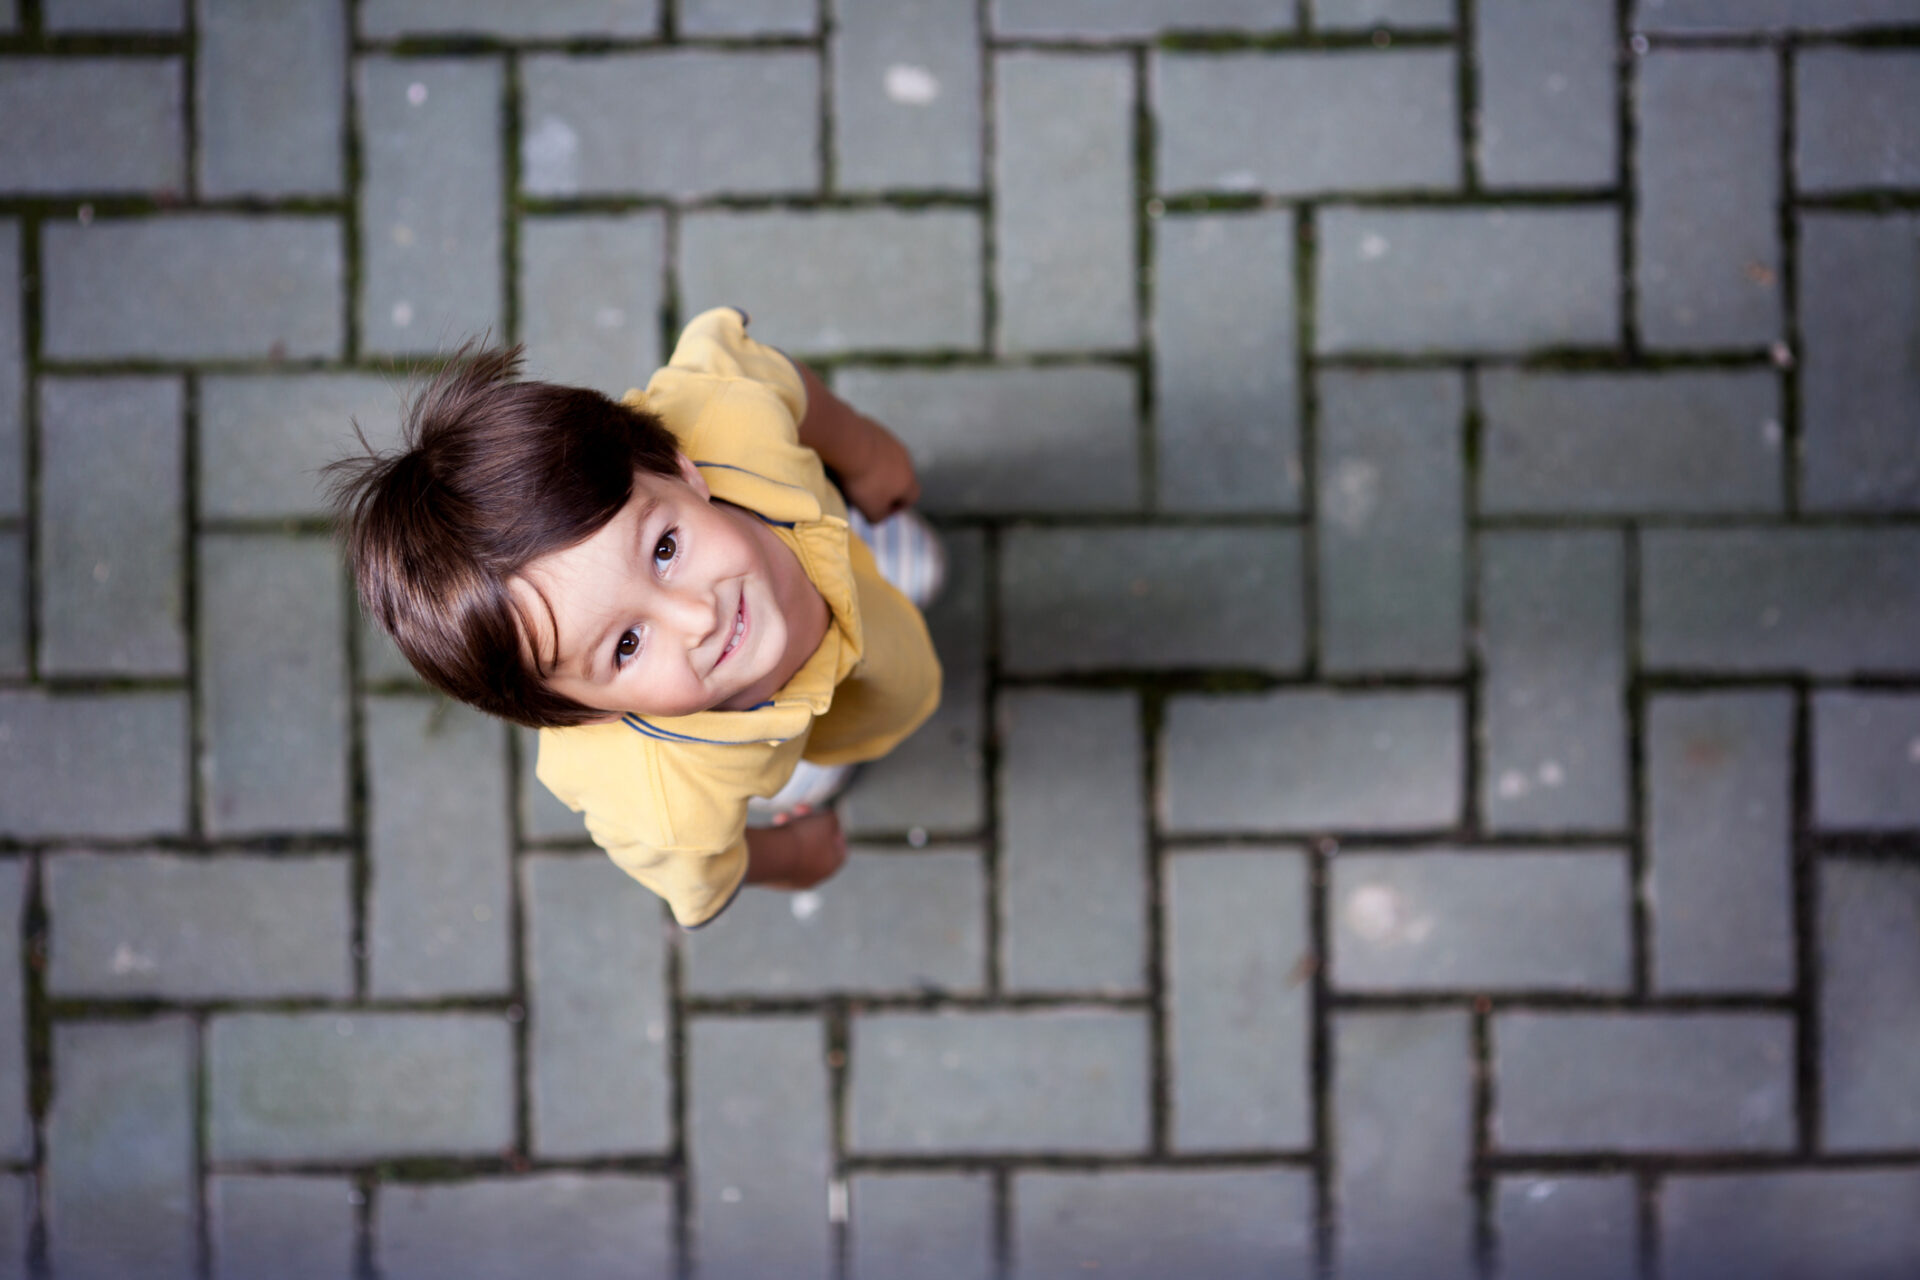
x,y
552,594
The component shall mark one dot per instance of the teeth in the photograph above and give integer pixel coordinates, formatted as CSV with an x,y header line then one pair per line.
x,y
739,625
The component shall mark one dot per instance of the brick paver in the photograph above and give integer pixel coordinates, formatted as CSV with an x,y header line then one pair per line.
x,y
111,600
1351,122
1720,840
1584,1227
298,1227
1063,228
197,928
93,125
1707,236
596,1227
1426,782
120,1141
271,88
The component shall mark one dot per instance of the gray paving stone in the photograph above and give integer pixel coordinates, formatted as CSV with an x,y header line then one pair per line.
x,y
255,285
1312,760
1546,89
898,923
1553,707
933,1226
114,15
1102,18
1063,210
273,685
186,928
1144,1224
1704,16
934,780
1227,429
594,1226
1629,1082
430,201
264,439
906,94
96,764
1001,440
1680,441
271,84
1848,1224
1853,121
13,604
596,966
758,131
1350,121
1349,14
1403,1120
381,664
13,378
1869,1005
1129,597
1827,601
749,17
590,297
111,597
336,1086
1866,760
1391,541
93,124
1575,1227
1073,857
1706,234
16,1129
290,1228
509,19
439,844
1466,279
1859,392
1464,920
541,816
1720,841
17,1193
759,1150
120,1151
1053,1080
1237,951
839,279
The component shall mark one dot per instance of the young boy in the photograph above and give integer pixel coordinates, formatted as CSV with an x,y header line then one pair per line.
x,y
667,587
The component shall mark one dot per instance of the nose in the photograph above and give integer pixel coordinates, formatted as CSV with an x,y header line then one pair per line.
x,y
692,614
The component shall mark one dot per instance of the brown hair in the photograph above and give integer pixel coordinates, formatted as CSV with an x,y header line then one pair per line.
x,y
493,473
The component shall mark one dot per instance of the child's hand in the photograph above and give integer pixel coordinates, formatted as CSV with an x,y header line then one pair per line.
x,y
799,853
886,483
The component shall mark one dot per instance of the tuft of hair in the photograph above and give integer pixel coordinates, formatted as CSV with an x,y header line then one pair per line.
x,y
492,473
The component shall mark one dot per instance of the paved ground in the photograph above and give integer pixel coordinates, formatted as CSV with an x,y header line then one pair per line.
x,y
1430,777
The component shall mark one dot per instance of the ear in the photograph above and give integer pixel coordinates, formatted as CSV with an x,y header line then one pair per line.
x,y
695,481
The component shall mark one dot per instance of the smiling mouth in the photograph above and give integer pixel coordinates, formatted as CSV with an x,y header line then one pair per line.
x,y
739,630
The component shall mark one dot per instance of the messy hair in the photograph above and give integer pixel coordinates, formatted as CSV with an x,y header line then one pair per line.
x,y
492,474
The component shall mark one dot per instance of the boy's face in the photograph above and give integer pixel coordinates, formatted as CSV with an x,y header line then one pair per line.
x,y
668,609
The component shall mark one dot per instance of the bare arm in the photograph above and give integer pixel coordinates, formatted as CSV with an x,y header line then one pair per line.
x,y
798,854
872,464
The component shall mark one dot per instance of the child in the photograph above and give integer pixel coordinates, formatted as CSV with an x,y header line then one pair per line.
x,y
667,588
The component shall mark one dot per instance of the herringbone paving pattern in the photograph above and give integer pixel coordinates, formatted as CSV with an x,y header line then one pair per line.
x,y
1429,782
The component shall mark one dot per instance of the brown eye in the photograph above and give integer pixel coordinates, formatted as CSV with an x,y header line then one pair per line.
x,y
628,646
668,548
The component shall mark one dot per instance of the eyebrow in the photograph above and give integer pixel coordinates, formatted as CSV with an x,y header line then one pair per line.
x,y
582,664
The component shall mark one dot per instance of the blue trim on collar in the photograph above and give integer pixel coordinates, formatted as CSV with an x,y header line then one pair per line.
x,y
728,466
658,734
